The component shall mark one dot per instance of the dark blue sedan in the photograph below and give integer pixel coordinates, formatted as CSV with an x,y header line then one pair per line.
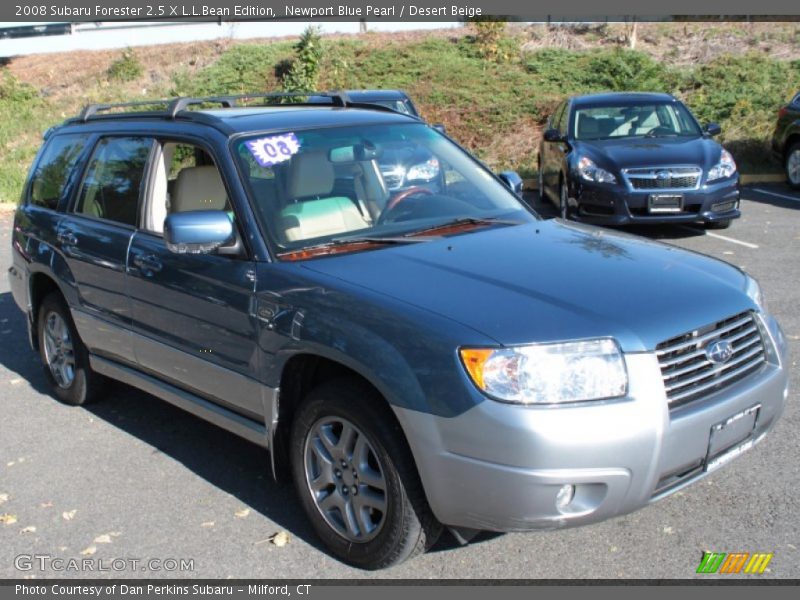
x,y
625,158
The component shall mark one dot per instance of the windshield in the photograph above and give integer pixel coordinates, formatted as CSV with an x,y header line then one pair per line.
x,y
381,181
665,119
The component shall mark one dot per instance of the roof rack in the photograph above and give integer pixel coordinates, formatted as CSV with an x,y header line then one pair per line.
x,y
172,106
337,98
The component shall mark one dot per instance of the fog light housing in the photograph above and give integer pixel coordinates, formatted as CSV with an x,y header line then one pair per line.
x,y
565,496
724,206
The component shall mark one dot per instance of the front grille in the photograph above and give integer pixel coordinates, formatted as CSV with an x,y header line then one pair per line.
x,y
393,178
688,373
664,178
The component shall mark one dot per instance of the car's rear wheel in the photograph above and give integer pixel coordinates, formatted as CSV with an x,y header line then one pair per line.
x,y
792,165
64,357
356,479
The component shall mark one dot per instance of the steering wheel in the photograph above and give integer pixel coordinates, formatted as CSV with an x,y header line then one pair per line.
x,y
660,130
399,197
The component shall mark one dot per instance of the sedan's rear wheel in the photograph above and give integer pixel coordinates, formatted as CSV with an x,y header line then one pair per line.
x,y
793,166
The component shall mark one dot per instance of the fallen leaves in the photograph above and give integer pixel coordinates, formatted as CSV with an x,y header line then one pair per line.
x,y
28,529
68,515
668,530
280,539
4,498
48,504
89,551
242,514
106,537
207,524
16,381
7,519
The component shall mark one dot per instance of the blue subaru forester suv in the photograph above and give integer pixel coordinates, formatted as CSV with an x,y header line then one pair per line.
x,y
437,356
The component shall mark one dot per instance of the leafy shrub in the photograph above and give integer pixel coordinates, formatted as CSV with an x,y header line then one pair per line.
x,y
13,90
303,75
488,39
126,68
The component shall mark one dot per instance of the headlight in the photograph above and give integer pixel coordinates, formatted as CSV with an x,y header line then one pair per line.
x,y
724,168
753,290
423,171
549,373
591,172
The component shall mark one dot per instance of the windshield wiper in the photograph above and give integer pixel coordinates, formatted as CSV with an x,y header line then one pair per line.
x,y
455,223
337,245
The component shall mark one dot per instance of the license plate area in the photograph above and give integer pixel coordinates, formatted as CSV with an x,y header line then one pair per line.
x,y
665,203
731,437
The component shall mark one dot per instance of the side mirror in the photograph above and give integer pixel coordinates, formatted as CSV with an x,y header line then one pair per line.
x,y
439,127
712,129
553,135
198,231
512,180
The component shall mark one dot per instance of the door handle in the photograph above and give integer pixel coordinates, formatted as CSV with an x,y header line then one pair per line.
x,y
148,263
66,238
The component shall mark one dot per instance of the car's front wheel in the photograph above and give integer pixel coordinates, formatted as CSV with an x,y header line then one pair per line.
x,y
356,479
64,357
792,165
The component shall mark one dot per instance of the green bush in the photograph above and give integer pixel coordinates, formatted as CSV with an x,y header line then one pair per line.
x,y
126,68
13,90
242,69
303,74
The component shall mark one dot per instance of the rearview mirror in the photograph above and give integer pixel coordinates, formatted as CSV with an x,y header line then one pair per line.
x,y
553,135
512,180
198,231
354,153
712,129
439,127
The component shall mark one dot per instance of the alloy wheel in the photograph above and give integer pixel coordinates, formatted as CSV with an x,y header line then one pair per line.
x,y
793,167
345,478
59,351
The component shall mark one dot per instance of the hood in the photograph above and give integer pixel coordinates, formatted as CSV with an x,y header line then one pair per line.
x,y
651,152
551,281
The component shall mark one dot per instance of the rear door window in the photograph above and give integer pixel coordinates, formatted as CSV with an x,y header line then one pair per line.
x,y
113,181
54,168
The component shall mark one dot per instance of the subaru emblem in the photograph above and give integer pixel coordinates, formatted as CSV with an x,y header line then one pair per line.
x,y
663,175
719,352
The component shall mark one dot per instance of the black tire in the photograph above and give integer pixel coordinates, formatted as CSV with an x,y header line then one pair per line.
x,y
407,527
792,154
718,224
85,384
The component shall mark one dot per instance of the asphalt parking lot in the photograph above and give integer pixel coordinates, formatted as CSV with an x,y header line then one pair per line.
x,y
133,478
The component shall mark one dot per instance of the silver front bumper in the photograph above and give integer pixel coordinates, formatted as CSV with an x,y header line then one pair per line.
x,y
499,467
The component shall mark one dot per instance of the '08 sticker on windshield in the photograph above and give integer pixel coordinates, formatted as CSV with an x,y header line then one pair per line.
x,y
272,150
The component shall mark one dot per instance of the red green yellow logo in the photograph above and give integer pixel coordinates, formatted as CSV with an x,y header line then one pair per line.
x,y
734,562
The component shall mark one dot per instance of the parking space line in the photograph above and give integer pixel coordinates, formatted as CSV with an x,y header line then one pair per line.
x,y
731,240
784,196
723,237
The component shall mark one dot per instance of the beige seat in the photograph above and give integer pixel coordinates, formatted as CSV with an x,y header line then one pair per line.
x,y
199,188
313,211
